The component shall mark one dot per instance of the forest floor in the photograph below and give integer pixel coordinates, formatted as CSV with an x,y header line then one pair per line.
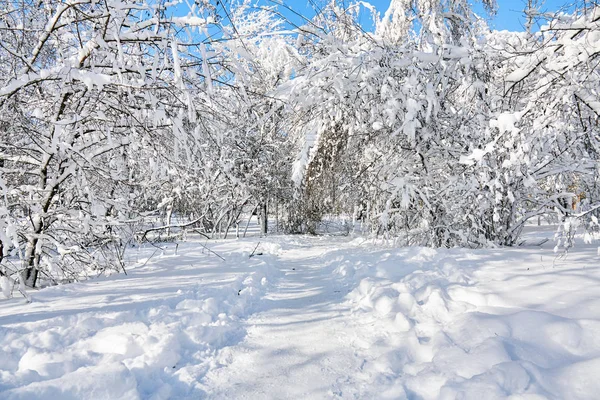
x,y
322,317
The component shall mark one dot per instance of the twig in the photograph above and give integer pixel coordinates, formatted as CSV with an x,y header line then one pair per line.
x,y
158,228
257,244
149,258
201,233
120,256
525,243
216,254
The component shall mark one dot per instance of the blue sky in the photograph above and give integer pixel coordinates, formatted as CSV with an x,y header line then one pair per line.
x,y
509,14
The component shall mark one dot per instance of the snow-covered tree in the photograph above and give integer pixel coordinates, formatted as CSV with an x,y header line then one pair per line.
x,y
386,123
90,103
548,138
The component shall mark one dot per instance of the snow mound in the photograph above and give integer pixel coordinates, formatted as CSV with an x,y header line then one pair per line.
x,y
150,335
476,324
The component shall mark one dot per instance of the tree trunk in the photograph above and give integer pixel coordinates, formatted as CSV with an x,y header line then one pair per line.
x,y
31,261
249,220
168,219
276,217
263,218
30,272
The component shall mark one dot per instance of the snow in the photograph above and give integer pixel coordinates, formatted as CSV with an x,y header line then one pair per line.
x,y
149,334
506,122
477,154
518,75
312,318
191,21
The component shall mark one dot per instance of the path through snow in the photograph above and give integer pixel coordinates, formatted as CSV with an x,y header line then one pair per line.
x,y
300,345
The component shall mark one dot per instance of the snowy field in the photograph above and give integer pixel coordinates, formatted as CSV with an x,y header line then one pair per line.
x,y
314,318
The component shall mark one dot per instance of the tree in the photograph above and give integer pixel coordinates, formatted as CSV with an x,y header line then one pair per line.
x,y
99,98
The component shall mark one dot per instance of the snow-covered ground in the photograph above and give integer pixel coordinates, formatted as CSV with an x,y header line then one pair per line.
x,y
314,318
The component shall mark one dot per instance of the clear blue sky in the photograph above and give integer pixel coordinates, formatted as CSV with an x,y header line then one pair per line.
x,y
509,14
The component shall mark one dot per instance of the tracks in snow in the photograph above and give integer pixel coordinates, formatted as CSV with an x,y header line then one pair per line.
x,y
300,344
